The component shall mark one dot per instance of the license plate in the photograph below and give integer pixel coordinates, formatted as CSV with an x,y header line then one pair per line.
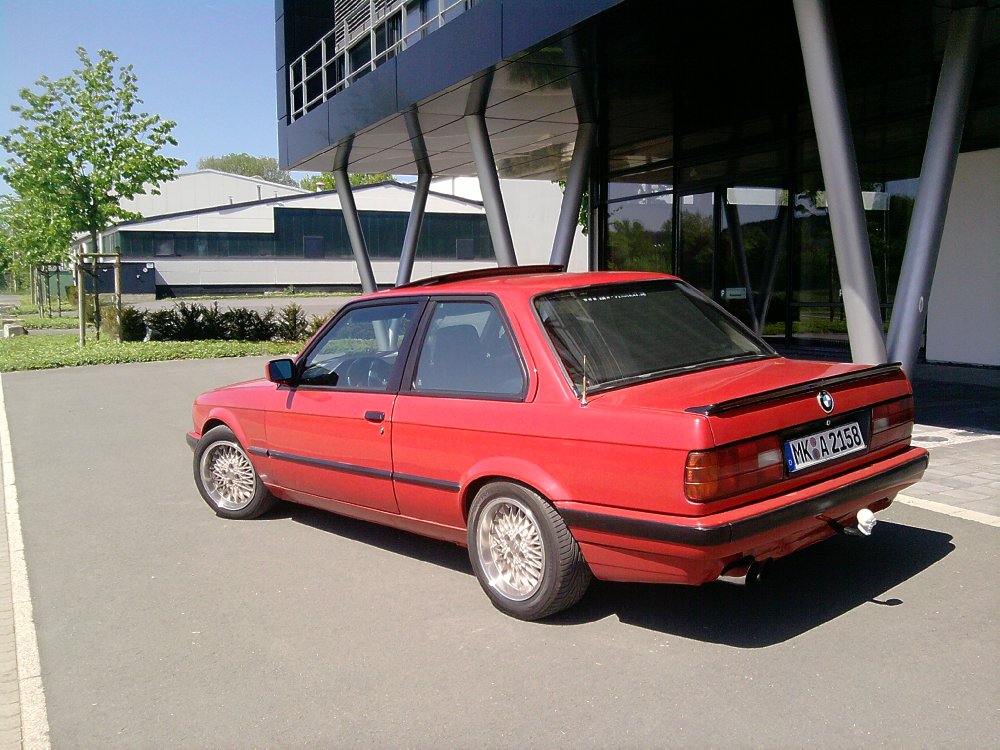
x,y
820,447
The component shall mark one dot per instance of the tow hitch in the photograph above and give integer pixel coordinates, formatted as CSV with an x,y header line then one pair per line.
x,y
866,522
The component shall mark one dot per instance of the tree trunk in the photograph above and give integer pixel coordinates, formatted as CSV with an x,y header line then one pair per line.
x,y
97,287
59,289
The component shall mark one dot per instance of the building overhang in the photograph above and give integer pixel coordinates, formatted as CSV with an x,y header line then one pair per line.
x,y
539,57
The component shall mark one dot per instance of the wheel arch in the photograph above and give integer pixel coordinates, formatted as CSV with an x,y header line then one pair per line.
x,y
224,418
528,475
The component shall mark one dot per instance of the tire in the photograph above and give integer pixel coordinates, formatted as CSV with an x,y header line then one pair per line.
x,y
524,556
226,478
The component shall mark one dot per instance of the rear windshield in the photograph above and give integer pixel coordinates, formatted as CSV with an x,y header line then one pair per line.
x,y
636,331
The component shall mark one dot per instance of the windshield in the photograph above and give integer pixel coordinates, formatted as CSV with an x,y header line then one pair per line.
x,y
635,331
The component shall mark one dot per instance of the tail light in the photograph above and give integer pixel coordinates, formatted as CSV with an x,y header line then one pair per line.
x,y
892,422
715,474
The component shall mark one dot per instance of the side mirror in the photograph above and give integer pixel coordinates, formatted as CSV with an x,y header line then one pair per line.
x,y
281,371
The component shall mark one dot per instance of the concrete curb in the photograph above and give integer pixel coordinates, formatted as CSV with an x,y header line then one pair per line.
x,y
17,625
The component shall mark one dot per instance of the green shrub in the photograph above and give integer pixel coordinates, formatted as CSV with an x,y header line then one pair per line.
x,y
163,324
315,323
242,324
213,323
133,324
292,323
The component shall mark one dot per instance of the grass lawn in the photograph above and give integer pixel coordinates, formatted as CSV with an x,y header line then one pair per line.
x,y
43,351
35,322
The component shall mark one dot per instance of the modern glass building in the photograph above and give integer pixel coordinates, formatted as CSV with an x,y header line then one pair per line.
x,y
692,130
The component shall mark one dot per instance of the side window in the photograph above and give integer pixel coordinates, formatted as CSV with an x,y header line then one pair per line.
x,y
468,349
361,350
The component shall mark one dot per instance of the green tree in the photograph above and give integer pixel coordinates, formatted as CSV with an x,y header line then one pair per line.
x,y
84,145
265,167
326,180
31,234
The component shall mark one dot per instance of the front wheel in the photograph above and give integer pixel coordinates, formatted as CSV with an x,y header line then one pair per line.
x,y
524,556
226,478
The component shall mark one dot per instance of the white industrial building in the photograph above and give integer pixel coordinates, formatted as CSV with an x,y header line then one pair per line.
x,y
212,232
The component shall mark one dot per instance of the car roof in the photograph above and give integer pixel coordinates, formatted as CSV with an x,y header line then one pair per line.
x,y
528,280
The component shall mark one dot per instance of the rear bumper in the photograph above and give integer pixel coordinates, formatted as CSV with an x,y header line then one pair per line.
x,y
695,550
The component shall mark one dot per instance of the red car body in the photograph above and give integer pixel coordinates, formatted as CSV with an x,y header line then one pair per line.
x,y
622,466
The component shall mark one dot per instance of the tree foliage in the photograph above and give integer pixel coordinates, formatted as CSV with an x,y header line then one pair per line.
x,y
265,167
84,145
31,233
326,180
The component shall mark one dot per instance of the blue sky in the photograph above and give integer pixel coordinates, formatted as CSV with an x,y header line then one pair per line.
x,y
207,65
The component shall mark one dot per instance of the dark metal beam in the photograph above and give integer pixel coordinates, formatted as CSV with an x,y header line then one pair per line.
x,y
576,183
486,167
350,211
840,176
416,220
944,137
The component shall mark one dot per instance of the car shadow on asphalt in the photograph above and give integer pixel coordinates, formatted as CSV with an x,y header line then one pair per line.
x,y
801,592
393,540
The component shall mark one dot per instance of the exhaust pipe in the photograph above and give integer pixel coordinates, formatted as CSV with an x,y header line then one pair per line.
x,y
745,572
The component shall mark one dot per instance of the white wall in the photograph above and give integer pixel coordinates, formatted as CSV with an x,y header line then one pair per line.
x,y
963,313
292,271
532,212
260,217
204,189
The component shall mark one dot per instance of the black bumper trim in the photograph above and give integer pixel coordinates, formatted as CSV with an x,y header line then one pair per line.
x,y
711,536
191,441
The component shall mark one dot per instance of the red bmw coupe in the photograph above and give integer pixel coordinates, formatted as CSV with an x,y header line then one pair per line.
x,y
563,426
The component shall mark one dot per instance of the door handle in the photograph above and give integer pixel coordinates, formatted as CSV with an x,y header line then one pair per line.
x,y
374,416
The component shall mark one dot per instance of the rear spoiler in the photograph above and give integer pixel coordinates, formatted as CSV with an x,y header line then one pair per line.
x,y
796,390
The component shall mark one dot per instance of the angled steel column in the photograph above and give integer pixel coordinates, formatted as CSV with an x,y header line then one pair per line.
x,y
416,220
576,183
840,175
944,136
775,242
740,250
582,86
350,212
486,167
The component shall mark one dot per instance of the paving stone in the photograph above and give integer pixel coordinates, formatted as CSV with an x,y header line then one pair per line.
x,y
962,495
922,488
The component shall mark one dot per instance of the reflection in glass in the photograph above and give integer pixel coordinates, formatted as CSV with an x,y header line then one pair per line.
x,y
640,234
697,240
753,257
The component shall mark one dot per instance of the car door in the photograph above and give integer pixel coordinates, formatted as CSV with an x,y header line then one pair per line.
x,y
330,436
461,400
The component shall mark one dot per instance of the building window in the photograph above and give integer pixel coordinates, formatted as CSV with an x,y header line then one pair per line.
x,y
387,36
360,56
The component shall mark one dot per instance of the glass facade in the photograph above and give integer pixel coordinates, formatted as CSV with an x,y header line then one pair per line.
x,y
319,234
709,167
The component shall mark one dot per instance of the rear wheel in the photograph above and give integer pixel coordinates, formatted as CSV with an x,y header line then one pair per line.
x,y
524,556
226,478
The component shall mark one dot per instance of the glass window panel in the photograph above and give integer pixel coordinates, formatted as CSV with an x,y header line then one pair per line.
x,y
640,234
361,57
360,351
468,350
697,240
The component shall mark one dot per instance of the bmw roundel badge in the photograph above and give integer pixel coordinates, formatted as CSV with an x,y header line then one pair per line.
x,y
825,401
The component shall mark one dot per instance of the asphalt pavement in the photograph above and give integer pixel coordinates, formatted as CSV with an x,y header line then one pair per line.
x,y
160,625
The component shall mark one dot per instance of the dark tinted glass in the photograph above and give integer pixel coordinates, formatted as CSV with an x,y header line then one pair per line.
x,y
629,332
